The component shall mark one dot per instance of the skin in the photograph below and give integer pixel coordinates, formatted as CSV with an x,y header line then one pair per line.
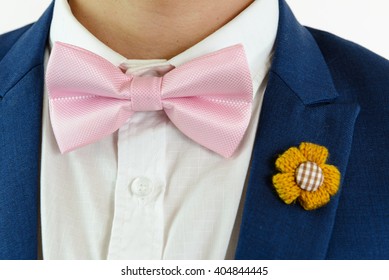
x,y
154,29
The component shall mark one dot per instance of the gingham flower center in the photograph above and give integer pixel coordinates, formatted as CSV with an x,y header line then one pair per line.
x,y
309,176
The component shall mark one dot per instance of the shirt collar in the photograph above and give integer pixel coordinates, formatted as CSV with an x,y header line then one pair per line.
x,y
255,28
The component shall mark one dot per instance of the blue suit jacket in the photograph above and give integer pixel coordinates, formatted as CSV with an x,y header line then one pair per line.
x,y
321,89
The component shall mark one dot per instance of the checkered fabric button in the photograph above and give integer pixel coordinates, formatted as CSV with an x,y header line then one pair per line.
x,y
309,176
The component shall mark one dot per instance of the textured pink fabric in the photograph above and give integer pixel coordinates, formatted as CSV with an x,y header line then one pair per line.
x,y
209,98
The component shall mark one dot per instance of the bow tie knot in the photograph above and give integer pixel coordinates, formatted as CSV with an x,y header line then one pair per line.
x,y
145,93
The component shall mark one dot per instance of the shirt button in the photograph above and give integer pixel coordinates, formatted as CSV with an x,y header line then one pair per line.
x,y
141,187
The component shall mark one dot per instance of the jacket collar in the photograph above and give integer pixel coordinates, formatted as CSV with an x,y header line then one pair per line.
x,y
26,53
299,61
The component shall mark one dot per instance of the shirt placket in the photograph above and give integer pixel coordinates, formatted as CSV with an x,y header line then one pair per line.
x,y
138,224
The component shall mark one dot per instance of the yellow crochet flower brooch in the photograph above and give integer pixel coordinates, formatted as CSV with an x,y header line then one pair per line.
x,y
304,176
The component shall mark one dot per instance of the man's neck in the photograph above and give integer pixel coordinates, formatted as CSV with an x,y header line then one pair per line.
x,y
148,29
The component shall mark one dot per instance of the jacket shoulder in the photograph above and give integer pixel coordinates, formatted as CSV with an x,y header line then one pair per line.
x,y
7,40
353,67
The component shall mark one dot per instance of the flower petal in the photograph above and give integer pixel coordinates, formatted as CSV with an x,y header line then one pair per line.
x,y
314,153
314,200
331,178
286,187
290,160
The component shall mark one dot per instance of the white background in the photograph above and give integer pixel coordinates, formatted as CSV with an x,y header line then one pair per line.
x,y
363,21
291,270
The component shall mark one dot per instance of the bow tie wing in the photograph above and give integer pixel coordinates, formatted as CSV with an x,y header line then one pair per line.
x,y
209,99
87,96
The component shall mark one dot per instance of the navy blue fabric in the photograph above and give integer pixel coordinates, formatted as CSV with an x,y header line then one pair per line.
x,y
361,229
21,91
300,105
321,89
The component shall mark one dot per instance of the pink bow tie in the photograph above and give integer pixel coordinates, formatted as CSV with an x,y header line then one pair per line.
x,y
208,99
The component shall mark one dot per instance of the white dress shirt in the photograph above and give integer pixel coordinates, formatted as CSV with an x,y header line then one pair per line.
x,y
147,191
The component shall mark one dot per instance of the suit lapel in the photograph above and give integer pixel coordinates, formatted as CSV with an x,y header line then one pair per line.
x,y
21,89
300,105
